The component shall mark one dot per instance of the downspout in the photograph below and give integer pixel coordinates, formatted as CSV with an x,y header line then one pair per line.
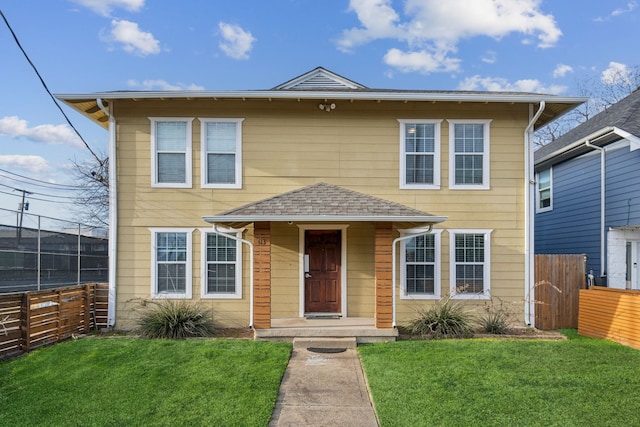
x,y
250,244
530,182
113,216
602,201
393,268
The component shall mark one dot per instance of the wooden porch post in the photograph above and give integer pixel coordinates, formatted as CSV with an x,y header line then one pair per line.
x,y
383,265
262,275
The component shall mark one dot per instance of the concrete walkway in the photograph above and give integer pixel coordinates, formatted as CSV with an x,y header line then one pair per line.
x,y
322,388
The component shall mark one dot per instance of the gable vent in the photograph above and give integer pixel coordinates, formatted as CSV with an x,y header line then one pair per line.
x,y
319,78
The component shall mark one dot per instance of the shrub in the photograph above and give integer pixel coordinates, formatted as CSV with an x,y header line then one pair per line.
x,y
495,319
446,319
175,320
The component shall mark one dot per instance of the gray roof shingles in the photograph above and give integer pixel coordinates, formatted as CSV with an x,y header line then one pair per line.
x,y
322,199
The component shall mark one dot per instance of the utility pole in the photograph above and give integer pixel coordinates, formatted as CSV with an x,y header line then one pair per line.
x,y
22,207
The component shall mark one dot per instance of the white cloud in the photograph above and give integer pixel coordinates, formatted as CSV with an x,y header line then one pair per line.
x,y
133,40
617,73
490,57
617,12
498,84
15,127
562,70
420,61
159,84
437,26
27,163
236,42
104,7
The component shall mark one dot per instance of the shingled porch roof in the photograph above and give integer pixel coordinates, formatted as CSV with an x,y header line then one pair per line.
x,y
327,203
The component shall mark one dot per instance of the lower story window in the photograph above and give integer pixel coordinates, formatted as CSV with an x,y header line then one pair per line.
x,y
171,266
420,275
222,276
470,263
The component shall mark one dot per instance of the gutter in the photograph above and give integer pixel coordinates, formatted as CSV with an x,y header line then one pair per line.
x,y
113,216
248,243
393,268
323,218
602,201
529,191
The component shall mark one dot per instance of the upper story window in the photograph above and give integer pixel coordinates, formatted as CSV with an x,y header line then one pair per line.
x,y
171,152
420,154
221,145
469,154
544,199
420,258
470,263
171,263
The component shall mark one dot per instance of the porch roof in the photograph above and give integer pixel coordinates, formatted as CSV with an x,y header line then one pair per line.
x,y
324,202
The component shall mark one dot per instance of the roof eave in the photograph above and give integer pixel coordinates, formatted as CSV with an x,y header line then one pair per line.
x,y
322,218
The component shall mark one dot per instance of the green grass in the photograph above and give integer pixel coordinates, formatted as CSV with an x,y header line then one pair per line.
x,y
578,382
135,382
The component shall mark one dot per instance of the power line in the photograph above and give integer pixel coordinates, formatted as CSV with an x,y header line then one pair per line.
x,y
39,194
47,89
37,198
40,183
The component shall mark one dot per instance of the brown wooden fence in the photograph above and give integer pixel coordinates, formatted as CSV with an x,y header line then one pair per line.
x,y
558,280
610,313
32,319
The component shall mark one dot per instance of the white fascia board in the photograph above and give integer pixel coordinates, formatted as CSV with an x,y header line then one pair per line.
x,y
325,218
349,95
591,138
633,140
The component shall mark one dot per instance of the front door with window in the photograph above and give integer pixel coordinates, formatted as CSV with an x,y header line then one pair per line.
x,y
322,287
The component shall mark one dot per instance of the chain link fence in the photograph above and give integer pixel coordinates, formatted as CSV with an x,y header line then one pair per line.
x,y
38,252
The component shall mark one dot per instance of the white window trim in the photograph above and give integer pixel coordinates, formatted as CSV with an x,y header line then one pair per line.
x,y
486,163
203,270
436,155
486,294
437,287
538,191
203,152
188,267
188,153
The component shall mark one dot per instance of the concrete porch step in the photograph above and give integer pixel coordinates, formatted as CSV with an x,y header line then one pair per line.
x,y
325,342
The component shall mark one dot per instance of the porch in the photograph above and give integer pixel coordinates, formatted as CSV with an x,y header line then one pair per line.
x,y
362,328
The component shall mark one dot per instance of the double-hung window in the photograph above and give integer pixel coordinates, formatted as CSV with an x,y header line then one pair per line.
x,y
222,265
221,146
470,263
420,154
171,152
544,195
469,154
420,258
171,263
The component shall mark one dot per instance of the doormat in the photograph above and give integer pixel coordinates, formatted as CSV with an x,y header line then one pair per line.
x,y
326,350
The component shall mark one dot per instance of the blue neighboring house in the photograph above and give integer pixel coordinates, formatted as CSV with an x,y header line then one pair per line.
x,y
588,194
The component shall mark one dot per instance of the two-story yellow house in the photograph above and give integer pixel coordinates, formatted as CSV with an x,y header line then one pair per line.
x,y
320,202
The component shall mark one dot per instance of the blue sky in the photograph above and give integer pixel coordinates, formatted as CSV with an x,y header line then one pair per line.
x,y
82,46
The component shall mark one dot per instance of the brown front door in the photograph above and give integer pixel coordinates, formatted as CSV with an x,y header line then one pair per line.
x,y
322,286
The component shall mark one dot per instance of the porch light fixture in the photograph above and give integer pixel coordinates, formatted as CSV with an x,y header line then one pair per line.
x,y
327,107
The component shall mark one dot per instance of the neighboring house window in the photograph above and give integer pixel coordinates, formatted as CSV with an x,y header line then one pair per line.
x,y
222,265
171,263
420,258
171,152
221,142
470,263
420,154
469,154
544,191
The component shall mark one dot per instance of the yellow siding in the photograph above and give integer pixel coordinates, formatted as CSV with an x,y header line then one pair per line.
x,y
291,144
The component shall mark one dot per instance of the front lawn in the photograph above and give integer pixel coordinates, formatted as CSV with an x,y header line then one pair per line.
x,y
135,382
487,382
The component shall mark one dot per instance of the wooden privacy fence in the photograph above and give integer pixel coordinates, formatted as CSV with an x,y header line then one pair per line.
x,y
610,313
32,319
558,280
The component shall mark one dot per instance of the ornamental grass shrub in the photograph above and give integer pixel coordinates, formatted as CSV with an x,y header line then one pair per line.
x,y
175,320
445,319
